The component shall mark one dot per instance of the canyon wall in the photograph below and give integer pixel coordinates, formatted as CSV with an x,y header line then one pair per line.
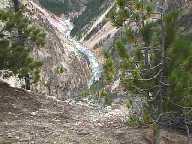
x,y
65,72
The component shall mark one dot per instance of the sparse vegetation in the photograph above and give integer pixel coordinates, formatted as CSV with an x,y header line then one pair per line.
x,y
60,70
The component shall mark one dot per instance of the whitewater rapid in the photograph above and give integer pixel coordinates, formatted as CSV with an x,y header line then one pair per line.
x,y
94,64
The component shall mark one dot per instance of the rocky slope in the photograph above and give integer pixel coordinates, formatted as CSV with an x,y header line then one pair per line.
x,y
82,13
88,18
68,66
30,118
59,53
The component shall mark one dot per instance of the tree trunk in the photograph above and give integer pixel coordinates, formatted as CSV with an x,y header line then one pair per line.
x,y
162,90
27,82
157,137
16,5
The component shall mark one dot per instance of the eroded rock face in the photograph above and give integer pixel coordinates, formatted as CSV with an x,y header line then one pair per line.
x,y
64,73
75,71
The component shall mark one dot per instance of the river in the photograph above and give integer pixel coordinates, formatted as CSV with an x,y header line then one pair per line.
x,y
64,26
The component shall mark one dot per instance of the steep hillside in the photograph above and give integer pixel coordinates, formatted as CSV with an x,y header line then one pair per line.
x,y
81,12
65,72
63,6
30,118
68,66
93,10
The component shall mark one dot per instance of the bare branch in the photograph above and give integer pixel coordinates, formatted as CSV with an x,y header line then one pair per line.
x,y
154,77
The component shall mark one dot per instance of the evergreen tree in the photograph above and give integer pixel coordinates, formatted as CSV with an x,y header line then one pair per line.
x,y
18,36
158,66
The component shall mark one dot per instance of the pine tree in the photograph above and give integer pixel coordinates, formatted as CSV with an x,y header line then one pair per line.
x,y
149,69
18,36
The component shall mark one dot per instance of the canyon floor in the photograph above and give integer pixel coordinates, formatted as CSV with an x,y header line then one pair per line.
x,y
28,118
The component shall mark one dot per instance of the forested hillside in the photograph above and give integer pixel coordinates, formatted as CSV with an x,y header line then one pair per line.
x,y
81,12
63,6
93,10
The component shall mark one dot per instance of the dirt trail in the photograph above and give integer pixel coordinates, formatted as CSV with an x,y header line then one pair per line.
x,y
27,118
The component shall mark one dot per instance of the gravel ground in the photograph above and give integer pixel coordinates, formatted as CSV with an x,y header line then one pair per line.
x,y
27,118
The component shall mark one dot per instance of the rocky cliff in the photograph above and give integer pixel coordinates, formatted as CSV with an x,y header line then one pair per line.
x,y
68,66
65,71
89,20
82,13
